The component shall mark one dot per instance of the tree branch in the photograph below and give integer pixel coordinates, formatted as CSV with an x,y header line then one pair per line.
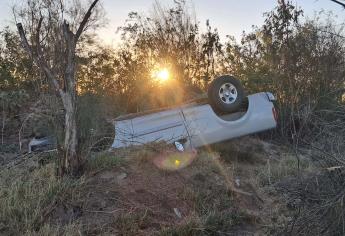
x,y
85,19
40,62
340,3
69,57
68,35
38,45
24,40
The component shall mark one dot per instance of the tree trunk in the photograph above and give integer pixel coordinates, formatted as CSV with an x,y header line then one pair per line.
x,y
71,162
3,122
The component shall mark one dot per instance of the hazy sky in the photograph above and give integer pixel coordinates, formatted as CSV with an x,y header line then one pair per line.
x,y
231,17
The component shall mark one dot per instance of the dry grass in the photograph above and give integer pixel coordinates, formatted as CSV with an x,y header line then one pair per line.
x,y
275,170
124,193
27,196
104,160
51,230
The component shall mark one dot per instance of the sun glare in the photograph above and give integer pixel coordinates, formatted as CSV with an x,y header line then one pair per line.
x,y
162,75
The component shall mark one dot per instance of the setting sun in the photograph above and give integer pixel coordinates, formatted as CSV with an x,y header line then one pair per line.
x,y
162,75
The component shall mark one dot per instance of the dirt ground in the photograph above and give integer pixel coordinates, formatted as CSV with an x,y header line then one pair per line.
x,y
223,191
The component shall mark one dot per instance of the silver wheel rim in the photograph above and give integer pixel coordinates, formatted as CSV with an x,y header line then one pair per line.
x,y
228,93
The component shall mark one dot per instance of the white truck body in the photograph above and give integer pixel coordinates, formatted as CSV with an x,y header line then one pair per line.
x,y
197,124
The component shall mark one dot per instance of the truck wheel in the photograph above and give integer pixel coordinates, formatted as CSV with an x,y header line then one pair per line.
x,y
225,94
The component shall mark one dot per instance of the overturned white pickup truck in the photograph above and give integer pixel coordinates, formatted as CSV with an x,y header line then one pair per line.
x,y
229,114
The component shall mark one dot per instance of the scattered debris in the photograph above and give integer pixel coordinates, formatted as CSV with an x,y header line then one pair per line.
x,y
121,176
177,213
237,182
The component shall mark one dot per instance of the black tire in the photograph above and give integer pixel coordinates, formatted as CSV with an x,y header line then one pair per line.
x,y
225,94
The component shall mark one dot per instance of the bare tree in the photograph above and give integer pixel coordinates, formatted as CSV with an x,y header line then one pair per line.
x,y
64,83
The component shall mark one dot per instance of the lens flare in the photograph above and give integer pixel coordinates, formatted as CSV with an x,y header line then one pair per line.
x,y
174,160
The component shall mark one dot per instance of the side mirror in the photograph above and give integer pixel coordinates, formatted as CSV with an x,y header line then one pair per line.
x,y
179,146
